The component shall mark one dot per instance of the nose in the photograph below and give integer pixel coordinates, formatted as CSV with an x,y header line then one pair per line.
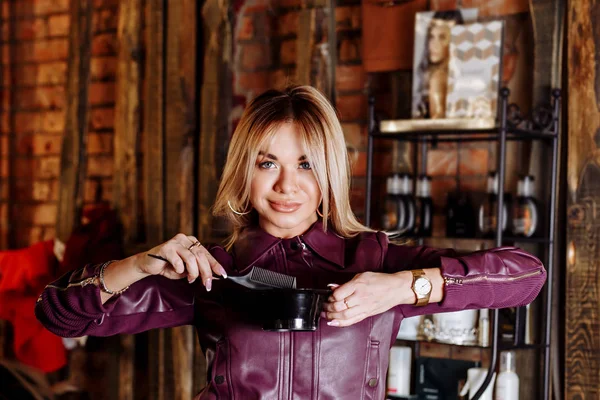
x,y
288,181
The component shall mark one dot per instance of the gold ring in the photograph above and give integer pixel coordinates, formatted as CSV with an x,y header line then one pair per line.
x,y
194,245
346,303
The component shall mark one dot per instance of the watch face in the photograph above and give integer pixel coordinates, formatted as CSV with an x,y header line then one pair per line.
x,y
422,286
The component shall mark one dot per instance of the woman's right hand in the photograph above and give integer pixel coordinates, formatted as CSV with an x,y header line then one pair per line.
x,y
187,258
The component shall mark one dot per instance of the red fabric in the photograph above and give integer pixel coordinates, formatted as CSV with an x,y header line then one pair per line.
x,y
25,272
23,275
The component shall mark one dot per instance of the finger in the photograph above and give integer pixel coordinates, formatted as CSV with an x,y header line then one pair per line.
x,y
205,271
175,261
345,314
343,291
191,265
193,242
183,240
351,321
336,306
214,264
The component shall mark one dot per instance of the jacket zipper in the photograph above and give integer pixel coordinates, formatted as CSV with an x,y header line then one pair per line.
x,y
82,283
460,281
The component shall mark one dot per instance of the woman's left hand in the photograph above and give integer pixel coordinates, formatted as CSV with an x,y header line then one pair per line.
x,y
367,294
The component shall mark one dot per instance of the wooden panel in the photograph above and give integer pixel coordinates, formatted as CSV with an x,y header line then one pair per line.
x,y
179,110
582,347
154,193
76,125
305,45
127,132
127,117
181,126
215,105
153,140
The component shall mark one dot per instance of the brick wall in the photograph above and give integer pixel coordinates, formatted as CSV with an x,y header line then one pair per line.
x,y
34,61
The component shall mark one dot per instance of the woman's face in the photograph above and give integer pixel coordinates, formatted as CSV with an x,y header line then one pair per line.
x,y
284,190
439,43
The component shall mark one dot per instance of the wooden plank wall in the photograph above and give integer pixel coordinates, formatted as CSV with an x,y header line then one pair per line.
x,y
153,145
126,175
181,126
77,113
215,105
582,369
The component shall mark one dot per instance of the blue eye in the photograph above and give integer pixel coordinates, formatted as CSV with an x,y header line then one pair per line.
x,y
305,165
266,164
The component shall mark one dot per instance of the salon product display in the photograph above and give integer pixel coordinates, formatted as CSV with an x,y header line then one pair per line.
x,y
407,199
507,384
525,219
399,371
393,215
488,210
483,329
410,214
424,207
460,216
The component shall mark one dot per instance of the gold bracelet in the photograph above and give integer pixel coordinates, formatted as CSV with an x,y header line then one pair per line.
x,y
103,284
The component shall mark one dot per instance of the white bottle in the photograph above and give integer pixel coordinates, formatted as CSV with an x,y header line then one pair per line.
x,y
507,383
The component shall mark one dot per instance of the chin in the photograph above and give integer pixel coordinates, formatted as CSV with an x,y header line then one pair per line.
x,y
288,221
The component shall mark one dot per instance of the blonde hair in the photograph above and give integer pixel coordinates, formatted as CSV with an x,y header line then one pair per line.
x,y
323,140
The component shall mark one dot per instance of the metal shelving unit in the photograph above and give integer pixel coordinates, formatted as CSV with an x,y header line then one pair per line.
x,y
543,124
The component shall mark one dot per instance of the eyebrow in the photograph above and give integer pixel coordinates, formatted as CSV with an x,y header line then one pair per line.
x,y
274,158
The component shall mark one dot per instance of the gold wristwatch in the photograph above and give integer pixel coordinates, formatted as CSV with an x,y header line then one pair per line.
x,y
421,286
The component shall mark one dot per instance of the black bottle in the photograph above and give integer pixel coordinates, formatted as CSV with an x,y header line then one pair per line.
x,y
406,197
393,216
424,207
525,210
461,220
488,210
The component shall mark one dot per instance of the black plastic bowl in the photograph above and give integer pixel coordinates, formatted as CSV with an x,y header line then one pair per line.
x,y
291,309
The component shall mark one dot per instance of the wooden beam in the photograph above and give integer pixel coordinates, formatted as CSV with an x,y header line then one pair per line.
x,y
180,130
153,142
154,191
126,175
215,106
73,160
582,334
305,45
127,117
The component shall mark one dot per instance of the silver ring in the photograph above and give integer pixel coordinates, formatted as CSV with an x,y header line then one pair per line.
x,y
193,245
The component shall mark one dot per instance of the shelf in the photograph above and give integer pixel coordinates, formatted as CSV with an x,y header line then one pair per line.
x,y
388,130
506,239
501,346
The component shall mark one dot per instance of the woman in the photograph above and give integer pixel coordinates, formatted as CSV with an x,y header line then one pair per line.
x,y
430,99
287,168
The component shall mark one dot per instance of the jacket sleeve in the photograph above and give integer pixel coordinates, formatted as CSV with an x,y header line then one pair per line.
x,y
71,306
495,278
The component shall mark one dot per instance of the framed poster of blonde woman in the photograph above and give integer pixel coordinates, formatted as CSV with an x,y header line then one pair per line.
x,y
431,57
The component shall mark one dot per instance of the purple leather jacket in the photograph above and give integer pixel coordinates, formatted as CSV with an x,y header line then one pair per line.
x,y
245,362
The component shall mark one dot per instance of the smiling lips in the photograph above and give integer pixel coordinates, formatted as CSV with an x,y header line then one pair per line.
x,y
284,206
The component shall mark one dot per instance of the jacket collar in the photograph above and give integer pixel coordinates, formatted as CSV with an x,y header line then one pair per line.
x,y
253,243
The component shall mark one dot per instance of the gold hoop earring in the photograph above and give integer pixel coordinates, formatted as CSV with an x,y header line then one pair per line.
x,y
237,212
321,214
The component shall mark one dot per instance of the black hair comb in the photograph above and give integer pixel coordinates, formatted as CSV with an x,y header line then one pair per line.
x,y
257,278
